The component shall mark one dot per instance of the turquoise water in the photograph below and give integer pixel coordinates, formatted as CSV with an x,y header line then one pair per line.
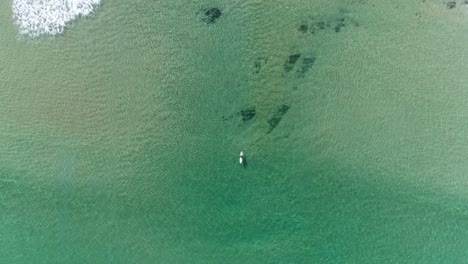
x,y
119,138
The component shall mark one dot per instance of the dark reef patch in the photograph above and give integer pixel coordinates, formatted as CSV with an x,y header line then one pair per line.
x,y
291,61
303,28
307,63
211,15
335,22
340,23
451,4
226,118
259,63
273,122
248,114
319,26
283,109
277,116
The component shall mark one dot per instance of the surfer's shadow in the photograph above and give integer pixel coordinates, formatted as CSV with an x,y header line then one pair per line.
x,y
245,162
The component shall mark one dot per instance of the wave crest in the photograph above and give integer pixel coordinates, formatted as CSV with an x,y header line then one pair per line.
x,y
49,17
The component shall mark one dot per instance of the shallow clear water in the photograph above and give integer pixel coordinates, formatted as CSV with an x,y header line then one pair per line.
x,y
119,138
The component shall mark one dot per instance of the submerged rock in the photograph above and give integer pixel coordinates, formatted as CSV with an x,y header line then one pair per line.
x,y
321,25
259,63
283,109
226,118
211,15
451,4
273,122
307,63
277,116
303,28
341,23
293,58
291,61
335,22
248,114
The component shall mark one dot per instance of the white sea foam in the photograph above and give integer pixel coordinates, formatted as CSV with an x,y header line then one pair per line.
x,y
49,17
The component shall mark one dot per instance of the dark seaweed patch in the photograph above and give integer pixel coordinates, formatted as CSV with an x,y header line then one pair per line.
x,y
259,63
340,20
307,63
283,109
321,25
293,58
211,15
226,118
338,27
291,61
273,122
277,116
247,114
303,28
339,24
451,4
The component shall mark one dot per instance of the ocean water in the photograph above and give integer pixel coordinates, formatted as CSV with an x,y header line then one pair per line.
x,y
121,124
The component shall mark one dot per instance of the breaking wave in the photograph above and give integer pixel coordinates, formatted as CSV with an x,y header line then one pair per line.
x,y
49,17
